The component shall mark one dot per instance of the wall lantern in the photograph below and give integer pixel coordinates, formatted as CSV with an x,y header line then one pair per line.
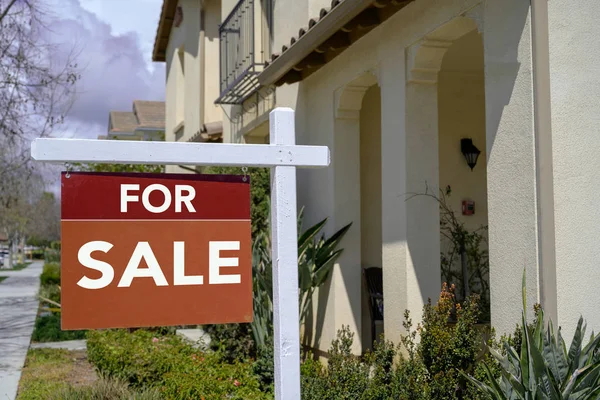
x,y
470,152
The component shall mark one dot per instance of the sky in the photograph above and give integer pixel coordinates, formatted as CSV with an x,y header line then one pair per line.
x,y
112,41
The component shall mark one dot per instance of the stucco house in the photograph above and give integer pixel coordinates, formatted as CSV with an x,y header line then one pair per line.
x,y
146,121
405,93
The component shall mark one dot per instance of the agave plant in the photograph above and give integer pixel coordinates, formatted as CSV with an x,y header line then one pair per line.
x,y
544,369
316,258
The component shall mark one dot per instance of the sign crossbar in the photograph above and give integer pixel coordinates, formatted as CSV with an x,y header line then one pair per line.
x,y
283,156
175,153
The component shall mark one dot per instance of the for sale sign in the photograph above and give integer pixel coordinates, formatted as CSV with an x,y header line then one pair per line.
x,y
155,250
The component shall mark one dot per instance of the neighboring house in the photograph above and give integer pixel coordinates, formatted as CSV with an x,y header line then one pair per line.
x,y
392,87
145,122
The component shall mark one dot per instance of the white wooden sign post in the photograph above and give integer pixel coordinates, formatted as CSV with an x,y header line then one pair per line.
x,y
283,156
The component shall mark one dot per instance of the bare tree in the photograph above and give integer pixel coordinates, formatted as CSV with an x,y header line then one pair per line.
x,y
36,85
20,189
43,225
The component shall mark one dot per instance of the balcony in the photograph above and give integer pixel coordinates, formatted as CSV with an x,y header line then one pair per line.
x,y
244,47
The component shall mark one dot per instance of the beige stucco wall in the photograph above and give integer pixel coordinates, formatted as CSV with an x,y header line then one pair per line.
x,y
462,115
212,19
191,90
574,41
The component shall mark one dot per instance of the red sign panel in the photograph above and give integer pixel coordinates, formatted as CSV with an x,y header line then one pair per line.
x,y
155,250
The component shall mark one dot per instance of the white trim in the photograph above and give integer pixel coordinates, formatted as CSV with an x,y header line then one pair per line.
x,y
174,153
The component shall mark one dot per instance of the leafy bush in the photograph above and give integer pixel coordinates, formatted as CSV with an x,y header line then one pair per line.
x,y
47,329
233,341
139,358
170,365
50,274
446,350
264,367
208,376
425,369
104,389
50,292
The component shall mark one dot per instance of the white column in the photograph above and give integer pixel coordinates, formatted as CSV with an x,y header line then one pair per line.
x,y
422,173
393,189
512,215
423,215
347,278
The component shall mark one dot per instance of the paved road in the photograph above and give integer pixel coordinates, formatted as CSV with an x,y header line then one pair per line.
x,y
18,308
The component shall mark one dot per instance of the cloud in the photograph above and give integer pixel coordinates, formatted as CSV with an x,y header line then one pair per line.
x,y
114,68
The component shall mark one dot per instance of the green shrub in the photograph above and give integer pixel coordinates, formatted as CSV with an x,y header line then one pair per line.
x,y
104,389
51,255
427,365
233,341
264,367
50,274
208,376
47,329
50,292
139,358
145,360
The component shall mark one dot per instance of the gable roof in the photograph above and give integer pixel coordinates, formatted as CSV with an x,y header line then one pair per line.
x,y
150,114
122,121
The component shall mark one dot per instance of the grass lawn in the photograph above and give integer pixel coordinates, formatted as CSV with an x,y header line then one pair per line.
x,y
48,371
55,374
17,267
3,278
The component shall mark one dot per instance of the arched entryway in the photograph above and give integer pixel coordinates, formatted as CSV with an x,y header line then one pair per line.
x,y
445,105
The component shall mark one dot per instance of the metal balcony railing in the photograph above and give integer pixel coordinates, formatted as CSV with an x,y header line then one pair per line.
x,y
241,61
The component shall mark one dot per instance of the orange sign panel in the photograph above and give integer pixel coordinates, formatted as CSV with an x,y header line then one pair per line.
x,y
155,250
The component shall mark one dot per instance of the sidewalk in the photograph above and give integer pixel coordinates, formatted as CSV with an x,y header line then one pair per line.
x,y
18,309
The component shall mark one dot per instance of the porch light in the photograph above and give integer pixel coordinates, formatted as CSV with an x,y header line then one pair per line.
x,y
470,152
